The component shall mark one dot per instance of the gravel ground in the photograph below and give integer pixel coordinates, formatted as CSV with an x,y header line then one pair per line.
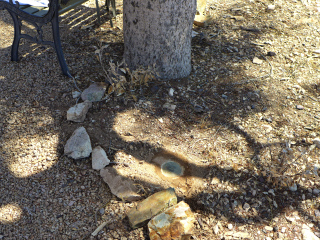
x,y
246,120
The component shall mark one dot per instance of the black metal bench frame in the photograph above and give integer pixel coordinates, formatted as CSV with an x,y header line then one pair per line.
x,y
39,17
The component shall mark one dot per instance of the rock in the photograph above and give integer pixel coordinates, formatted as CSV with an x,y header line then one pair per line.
x,y
78,145
316,191
257,60
317,213
216,229
215,181
307,234
151,207
94,92
230,226
246,206
78,112
299,107
175,223
194,34
76,94
268,228
316,141
169,106
99,158
293,188
171,91
271,7
122,187
271,54
202,21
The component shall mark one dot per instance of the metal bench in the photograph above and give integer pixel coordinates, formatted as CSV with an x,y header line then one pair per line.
x,y
38,17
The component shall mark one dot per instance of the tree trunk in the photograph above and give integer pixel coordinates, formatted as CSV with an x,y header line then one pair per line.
x,y
158,33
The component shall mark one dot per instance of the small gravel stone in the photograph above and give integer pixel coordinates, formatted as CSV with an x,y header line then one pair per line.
x,y
268,228
316,191
299,107
293,188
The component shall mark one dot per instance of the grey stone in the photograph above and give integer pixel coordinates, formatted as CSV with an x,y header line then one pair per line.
x,y
316,141
78,112
76,94
122,187
99,158
78,145
94,92
316,191
246,206
169,106
293,188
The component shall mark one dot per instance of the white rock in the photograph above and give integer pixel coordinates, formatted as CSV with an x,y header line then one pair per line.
x,y
99,158
171,91
230,226
78,112
216,229
307,234
78,145
257,60
271,7
76,94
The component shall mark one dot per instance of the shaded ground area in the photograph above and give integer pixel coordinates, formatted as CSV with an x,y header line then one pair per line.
x,y
246,131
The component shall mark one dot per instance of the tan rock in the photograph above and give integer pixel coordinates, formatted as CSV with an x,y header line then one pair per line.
x,y
202,21
201,6
121,187
151,206
175,223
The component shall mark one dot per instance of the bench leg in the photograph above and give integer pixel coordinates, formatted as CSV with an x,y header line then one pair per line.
x,y
98,12
17,37
57,45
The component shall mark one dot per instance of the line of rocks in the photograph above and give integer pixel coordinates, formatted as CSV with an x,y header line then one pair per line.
x,y
166,218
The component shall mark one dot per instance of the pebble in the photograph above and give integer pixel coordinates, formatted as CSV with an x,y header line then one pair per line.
x,y
316,141
268,228
293,188
230,226
271,7
246,206
299,107
171,91
317,213
257,60
316,191
254,192
101,211
283,229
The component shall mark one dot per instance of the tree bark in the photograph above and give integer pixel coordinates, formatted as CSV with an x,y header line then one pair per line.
x,y
158,33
